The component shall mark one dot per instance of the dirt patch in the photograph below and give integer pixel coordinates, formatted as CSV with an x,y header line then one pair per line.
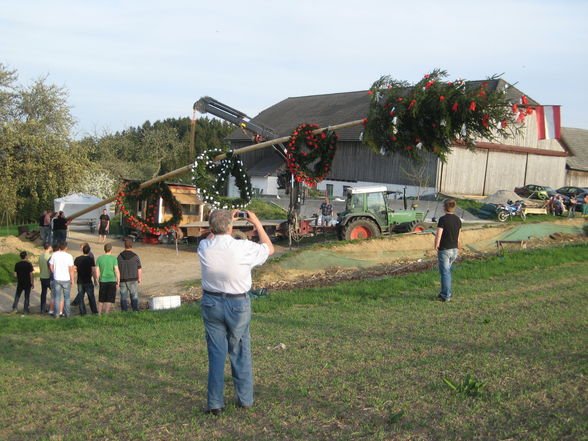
x,y
12,244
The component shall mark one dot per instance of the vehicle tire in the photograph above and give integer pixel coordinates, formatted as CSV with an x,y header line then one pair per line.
x,y
502,215
417,227
523,215
361,228
239,235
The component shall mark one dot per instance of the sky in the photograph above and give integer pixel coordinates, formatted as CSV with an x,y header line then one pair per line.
x,y
128,61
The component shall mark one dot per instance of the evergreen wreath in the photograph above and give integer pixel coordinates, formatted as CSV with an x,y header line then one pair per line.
x,y
310,156
130,193
210,179
432,114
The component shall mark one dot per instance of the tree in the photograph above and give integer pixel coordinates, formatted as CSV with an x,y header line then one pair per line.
x,y
38,160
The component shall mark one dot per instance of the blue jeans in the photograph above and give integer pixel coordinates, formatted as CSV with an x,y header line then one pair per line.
x,y
129,287
446,259
59,288
226,321
86,288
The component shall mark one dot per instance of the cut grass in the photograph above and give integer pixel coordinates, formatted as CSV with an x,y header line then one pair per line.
x,y
362,361
7,262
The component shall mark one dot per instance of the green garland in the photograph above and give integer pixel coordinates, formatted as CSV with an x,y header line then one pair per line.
x,y
130,193
432,114
210,178
309,157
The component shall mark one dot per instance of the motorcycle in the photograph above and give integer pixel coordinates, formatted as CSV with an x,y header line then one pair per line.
x,y
510,209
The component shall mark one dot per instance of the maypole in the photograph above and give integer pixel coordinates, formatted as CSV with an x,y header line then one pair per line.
x,y
187,168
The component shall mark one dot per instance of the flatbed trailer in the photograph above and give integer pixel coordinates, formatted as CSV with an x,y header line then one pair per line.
x,y
243,229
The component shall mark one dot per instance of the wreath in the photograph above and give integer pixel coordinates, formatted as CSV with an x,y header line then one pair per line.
x,y
210,179
310,156
130,193
431,114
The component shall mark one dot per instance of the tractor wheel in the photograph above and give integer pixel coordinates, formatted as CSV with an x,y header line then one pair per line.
x,y
417,227
502,215
239,235
361,229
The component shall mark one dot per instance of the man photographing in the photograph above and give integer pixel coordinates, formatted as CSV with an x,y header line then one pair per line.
x,y
226,307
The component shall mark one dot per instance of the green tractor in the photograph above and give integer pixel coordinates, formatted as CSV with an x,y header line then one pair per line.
x,y
367,215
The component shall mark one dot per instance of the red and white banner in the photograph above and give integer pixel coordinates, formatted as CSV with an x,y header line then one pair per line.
x,y
548,122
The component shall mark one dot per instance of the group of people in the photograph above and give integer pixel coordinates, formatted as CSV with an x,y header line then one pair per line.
x,y
555,205
57,270
53,226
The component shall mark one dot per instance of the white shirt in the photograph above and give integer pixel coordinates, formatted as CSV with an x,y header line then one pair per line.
x,y
61,262
227,262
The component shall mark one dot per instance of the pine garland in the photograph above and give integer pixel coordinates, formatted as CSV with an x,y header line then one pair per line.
x,y
432,114
129,193
210,179
309,157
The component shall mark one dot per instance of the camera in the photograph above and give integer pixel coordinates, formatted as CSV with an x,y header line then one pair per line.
x,y
242,215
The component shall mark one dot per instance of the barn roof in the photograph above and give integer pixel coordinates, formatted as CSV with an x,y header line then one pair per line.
x,y
576,141
335,108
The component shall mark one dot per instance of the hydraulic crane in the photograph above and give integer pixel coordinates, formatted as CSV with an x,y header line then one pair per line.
x,y
258,133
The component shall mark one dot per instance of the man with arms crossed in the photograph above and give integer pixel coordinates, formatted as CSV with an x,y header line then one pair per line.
x,y
446,244
131,272
226,307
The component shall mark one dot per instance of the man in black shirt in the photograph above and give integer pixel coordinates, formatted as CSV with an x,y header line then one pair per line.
x,y
60,224
446,244
131,273
85,267
23,271
104,226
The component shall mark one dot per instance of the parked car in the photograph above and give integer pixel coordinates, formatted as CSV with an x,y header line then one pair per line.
x,y
571,191
532,191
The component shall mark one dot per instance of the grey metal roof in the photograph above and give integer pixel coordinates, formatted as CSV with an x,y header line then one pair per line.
x,y
576,140
267,166
336,108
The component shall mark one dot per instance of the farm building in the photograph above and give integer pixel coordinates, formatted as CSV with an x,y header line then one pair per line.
x,y
576,141
492,166
192,206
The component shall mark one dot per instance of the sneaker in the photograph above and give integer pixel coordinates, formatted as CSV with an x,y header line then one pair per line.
x,y
442,299
14,311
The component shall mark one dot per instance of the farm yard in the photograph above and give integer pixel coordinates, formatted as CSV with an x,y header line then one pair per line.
x,y
410,256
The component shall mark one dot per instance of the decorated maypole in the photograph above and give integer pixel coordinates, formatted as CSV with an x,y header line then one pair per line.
x,y
409,120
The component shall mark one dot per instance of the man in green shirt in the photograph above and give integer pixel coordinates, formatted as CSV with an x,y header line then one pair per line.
x,y
45,275
109,276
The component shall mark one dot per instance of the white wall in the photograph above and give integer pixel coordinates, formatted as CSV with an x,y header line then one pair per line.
x,y
411,191
268,185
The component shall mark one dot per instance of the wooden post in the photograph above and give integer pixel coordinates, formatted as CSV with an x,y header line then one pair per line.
x,y
240,151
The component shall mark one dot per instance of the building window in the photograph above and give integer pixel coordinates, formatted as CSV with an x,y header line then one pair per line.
x,y
190,209
330,188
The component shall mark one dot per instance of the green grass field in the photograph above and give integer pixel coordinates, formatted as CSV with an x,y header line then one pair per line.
x,y
362,361
7,262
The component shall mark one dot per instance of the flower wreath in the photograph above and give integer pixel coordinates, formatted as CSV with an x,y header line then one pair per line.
x,y
310,156
130,192
210,188
431,114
